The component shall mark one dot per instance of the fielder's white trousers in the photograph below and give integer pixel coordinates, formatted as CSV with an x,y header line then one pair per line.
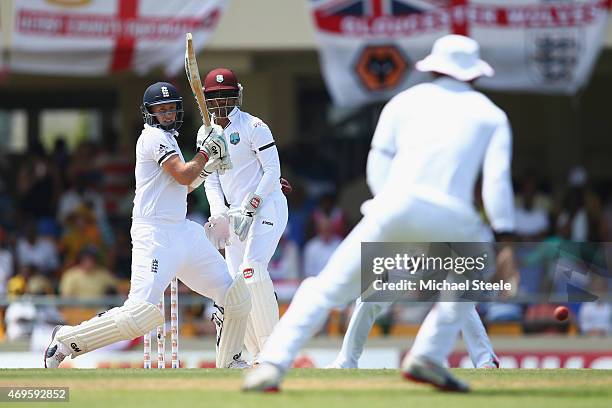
x,y
161,251
407,219
364,316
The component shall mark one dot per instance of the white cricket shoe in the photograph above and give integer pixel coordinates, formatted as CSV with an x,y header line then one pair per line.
x,y
421,370
56,352
337,364
492,364
239,364
266,377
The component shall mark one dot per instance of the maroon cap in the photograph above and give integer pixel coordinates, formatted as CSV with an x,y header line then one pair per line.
x,y
220,79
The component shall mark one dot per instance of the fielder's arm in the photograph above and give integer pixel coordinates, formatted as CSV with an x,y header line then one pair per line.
x,y
497,194
382,151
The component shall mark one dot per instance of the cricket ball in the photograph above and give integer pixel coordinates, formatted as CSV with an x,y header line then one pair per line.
x,y
561,313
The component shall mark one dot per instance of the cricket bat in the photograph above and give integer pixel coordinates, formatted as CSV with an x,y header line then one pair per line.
x,y
193,75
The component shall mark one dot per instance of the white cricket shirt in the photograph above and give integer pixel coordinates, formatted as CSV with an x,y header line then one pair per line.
x,y
255,163
159,197
438,137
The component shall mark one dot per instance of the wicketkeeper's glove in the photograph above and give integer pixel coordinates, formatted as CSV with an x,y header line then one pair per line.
x,y
242,218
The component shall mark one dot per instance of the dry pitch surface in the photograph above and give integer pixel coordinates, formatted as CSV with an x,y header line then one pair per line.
x,y
317,388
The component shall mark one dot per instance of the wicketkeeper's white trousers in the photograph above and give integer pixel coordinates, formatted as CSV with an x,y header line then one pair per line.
x,y
251,258
409,219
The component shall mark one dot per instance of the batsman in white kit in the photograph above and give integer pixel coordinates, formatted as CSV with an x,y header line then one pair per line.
x,y
432,141
164,243
257,213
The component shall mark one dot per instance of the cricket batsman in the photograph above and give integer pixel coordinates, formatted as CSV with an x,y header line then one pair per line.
x,y
164,243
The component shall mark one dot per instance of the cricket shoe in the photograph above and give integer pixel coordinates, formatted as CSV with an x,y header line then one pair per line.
x,y
266,377
492,364
337,364
56,352
239,365
421,370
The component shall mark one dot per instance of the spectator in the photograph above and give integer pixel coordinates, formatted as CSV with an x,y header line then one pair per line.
x,y
38,185
46,316
328,210
38,250
7,209
61,159
595,318
88,279
532,222
299,210
581,213
81,230
117,165
120,259
351,197
77,196
319,249
6,262
20,314
83,162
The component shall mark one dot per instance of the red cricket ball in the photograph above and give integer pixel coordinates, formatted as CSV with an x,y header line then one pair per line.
x,y
561,313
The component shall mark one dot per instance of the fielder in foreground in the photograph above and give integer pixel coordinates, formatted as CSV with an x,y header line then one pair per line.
x,y
164,243
257,214
434,138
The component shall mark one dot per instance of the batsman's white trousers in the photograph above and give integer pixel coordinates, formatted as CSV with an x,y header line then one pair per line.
x,y
426,217
161,251
364,316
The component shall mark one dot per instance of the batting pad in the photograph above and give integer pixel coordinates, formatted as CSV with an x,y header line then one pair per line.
x,y
231,328
120,323
264,312
250,339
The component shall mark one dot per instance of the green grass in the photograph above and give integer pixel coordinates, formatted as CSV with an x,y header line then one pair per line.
x,y
318,388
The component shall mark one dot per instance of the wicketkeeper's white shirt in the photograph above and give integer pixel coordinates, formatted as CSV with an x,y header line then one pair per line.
x,y
255,163
434,139
159,197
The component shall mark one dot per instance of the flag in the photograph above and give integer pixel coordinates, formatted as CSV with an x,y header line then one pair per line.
x,y
368,48
98,37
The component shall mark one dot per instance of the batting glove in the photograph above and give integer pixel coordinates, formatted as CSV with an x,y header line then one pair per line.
x,y
211,142
217,230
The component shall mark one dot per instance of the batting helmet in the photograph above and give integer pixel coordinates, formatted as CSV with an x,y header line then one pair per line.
x,y
157,94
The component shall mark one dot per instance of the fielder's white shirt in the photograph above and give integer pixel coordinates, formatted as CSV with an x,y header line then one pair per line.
x,y
255,163
159,197
437,137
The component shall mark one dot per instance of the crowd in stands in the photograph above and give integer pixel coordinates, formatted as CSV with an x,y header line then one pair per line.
x,y
65,219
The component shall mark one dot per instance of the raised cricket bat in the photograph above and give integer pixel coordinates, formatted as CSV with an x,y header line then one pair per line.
x,y
193,74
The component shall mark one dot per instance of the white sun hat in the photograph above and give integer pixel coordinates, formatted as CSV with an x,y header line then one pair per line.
x,y
456,56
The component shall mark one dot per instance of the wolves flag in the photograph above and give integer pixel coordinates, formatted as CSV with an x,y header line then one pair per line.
x,y
368,48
